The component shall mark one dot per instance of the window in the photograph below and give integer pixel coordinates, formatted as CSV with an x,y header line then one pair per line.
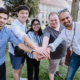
x,y
43,15
42,21
46,21
42,8
46,8
53,9
50,9
46,15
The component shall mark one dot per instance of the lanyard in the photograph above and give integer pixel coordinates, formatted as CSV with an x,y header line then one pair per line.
x,y
73,34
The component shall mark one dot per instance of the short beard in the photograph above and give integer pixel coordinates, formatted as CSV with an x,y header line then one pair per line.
x,y
69,25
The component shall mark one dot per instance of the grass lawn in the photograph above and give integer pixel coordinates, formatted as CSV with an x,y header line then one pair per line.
x,y
43,75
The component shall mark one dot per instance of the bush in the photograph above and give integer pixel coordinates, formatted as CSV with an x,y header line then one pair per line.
x,y
47,24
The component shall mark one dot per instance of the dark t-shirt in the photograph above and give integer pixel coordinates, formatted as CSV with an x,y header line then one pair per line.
x,y
52,35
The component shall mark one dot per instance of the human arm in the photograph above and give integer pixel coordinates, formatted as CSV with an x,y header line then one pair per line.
x,y
40,50
55,44
23,37
26,48
45,41
17,42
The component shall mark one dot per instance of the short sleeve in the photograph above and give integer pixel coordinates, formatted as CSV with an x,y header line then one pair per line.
x,y
18,32
46,33
31,35
13,38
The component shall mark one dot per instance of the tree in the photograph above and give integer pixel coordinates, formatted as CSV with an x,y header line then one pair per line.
x,y
74,9
11,6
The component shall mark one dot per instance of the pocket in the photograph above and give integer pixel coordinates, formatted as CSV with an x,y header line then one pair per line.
x,y
3,43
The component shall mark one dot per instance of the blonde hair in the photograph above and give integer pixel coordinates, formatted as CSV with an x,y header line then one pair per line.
x,y
53,13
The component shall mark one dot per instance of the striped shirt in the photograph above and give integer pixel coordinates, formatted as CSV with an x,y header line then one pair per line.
x,y
36,39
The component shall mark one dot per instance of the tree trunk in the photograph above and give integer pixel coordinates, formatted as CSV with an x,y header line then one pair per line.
x,y
74,9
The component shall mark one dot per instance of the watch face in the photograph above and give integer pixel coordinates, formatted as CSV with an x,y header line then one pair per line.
x,y
34,50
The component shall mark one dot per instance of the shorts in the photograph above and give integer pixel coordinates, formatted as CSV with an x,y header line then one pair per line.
x,y
54,63
16,61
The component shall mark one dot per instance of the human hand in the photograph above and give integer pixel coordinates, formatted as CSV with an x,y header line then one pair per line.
x,y
35,54
40,57
43,51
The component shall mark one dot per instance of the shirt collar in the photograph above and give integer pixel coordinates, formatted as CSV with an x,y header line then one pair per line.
x,y
2,28
19,23
73,26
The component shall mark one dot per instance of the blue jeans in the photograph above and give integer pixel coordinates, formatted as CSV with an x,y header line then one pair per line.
x,y
73,66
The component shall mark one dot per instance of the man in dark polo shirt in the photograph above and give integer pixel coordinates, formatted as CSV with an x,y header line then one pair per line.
x,y
50,33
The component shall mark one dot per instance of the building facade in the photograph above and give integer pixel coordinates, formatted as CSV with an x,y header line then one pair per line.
x,y
47,6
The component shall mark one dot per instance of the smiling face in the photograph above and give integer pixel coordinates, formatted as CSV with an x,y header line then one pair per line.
x,y
23,15
3,19
36,26
54,21
66,19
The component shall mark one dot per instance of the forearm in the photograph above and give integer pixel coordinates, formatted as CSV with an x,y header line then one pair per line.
x,y
45,42
50,48
55,44
24,47
28,41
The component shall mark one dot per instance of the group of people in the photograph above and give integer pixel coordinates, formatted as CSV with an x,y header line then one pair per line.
x,y
37,44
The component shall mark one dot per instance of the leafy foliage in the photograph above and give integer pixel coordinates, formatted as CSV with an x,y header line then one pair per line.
x,y
11,6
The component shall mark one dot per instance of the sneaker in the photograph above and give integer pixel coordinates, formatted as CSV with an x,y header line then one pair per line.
x,y
23,79
57,74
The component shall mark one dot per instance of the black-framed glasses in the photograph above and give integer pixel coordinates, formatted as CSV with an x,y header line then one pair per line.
x,y
36,24
63,11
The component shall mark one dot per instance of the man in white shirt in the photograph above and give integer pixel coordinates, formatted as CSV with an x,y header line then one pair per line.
x,y
71,35
19,29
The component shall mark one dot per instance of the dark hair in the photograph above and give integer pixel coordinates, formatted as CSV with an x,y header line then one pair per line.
x,y
3,10
31,29
64,10
22,7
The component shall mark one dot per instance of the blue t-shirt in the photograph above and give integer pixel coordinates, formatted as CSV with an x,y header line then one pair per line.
x,y
6,36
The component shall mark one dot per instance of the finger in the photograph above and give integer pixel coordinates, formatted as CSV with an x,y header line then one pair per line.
x,y
46,53
43,58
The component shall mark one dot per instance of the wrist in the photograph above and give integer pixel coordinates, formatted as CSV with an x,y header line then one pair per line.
x,y
50,48
32,51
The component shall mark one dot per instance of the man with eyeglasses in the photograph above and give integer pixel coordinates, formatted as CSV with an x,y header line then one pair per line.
x,y
71,35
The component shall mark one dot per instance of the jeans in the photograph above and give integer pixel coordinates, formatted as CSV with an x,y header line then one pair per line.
x,y
73,66
3,72
32,64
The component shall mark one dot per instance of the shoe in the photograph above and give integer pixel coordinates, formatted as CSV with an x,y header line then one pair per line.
x,y
57,74
23,79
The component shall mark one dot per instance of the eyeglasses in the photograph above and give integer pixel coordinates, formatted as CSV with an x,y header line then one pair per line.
x,y
63,11
36,24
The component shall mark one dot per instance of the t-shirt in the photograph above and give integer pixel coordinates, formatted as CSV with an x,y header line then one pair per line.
x,y
52,35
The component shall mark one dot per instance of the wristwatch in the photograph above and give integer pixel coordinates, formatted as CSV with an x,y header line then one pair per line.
x,y
32,51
